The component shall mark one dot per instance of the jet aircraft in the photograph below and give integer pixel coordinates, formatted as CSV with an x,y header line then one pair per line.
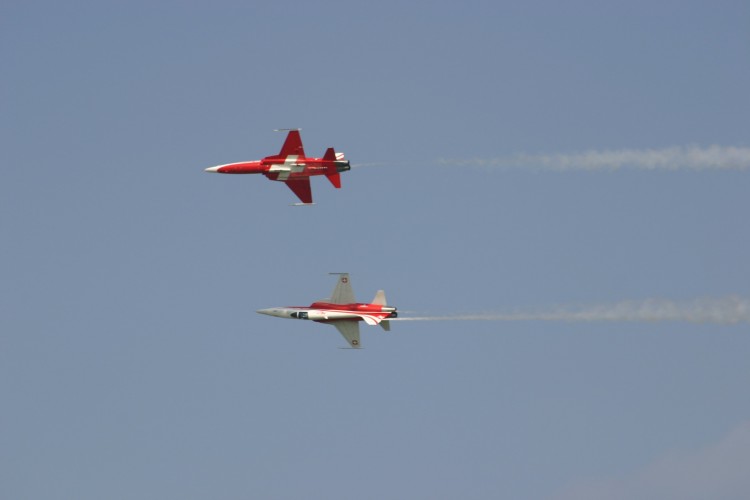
x,y
342,311
292,167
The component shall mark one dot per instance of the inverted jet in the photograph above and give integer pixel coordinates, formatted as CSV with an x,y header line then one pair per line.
x,y
341,311
292,167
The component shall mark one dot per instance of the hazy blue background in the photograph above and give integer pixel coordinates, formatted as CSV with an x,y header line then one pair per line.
x,y
133,365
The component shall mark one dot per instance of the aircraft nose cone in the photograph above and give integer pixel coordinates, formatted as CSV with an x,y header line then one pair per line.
x,y
212,169
269,312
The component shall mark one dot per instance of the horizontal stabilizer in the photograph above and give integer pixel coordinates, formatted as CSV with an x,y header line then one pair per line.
x,y
330,155
379,299
335,180
386,325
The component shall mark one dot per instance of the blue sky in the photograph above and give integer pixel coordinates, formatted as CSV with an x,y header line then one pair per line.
x,y
132,362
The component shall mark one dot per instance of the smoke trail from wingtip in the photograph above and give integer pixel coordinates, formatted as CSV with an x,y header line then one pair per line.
x,y
727,311
671,159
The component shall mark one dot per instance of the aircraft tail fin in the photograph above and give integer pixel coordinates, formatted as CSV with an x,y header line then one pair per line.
x,y
379,299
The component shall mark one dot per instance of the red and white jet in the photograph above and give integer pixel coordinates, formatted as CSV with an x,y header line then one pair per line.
x,y
292,167
341,311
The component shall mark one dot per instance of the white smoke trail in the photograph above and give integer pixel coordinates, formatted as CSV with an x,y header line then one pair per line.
x,y
726,310
370,164
673,158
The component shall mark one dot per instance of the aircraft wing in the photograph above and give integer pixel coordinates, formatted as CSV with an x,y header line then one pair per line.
x,y
349,330
301,187
343,293
292,145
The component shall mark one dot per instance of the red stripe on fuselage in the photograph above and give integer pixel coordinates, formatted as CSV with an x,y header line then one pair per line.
x,y
357,308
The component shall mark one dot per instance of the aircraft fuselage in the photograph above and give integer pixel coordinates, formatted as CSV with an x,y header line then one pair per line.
x,y
283,169
323,312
